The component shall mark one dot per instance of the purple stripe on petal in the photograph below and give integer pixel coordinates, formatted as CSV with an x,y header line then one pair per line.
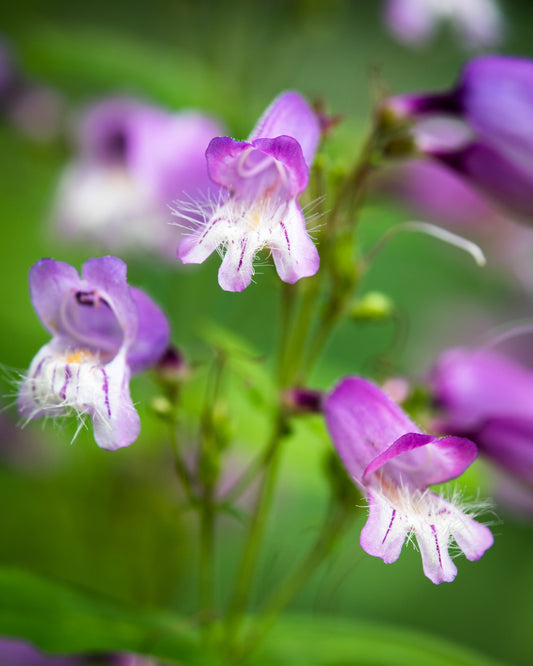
x,y
68,376
105,387
282,225
393,516
434,530
243,251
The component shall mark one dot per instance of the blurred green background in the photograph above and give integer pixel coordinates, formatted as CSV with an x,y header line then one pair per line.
x,y
112,523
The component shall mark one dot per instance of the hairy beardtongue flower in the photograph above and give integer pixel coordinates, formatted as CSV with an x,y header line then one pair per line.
x,y
103,330
414,22
132,160
394,464
262,179
481,129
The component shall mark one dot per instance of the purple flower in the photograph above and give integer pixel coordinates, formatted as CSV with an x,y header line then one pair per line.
x,y
133,160
394,463
488,397
263,178
34,109
434,193
414,22
103,330
482,128
14,652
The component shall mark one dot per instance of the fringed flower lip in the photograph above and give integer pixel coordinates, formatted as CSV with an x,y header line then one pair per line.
x,y
394,464
262,179
103,330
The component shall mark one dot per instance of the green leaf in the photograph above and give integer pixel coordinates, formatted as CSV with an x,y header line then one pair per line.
x,y
327,641
60,619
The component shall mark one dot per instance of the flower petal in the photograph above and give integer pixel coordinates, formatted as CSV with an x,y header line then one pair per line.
x,y
294,253
153,333
290,115
108,274
385,530
236,270
115,420
49,282
423,460
363,422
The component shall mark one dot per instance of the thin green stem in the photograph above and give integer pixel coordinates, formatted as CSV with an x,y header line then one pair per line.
x,y
255,531
182,471
296,342
336,520
206,576
288,302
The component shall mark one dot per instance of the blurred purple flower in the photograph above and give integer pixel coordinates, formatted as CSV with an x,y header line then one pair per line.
x,y
133,160
481,129
394,464
14,652
102,330
434,193
263,178
34,109
487,397
478,23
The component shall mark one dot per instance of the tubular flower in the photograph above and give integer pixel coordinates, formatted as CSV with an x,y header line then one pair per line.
x,y
394,464
478,22
103,330
262,178
133,160
489,398
481,129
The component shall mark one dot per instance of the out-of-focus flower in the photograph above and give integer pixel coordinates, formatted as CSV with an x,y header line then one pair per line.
x,y
14,652
481,129
478,23
34,109
394,463
487,397
102,330
133,160
263,178
434,193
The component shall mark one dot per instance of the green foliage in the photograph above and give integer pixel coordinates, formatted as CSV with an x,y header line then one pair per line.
x,y
60,619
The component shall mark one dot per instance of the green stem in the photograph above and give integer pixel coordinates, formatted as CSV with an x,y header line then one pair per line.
x,y
336,519
181,469
206,576
295,343
255,531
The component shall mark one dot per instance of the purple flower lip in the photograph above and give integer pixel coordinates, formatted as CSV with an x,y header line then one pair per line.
x,y
261,179
481,129
102,331
394,464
